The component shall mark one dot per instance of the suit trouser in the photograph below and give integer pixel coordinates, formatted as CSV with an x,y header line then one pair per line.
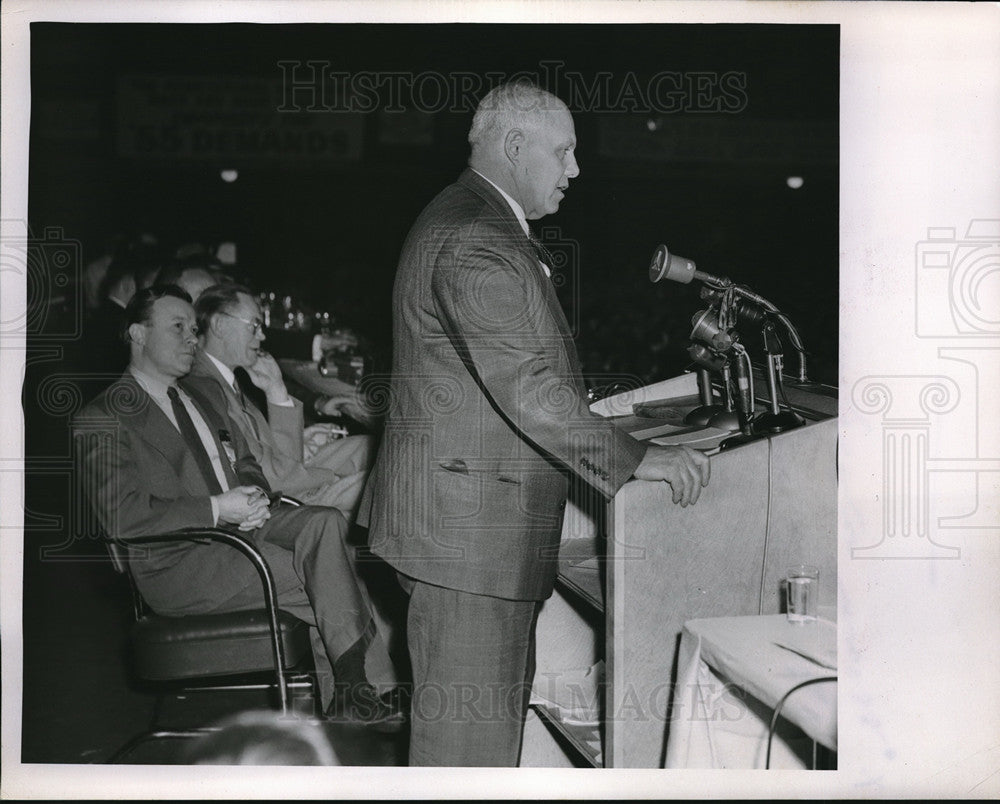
x,y
315,579
350,459
473,660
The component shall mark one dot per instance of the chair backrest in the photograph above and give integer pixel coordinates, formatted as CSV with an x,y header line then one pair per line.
x,y
120,561
119,557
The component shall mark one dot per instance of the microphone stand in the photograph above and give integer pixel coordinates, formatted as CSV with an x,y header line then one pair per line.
x,y
708,409
775,420
726,419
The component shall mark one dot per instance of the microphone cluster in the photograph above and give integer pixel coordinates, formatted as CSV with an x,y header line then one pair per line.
x,y
714,342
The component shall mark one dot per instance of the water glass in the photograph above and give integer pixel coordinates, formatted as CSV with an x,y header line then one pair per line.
x,y
802,593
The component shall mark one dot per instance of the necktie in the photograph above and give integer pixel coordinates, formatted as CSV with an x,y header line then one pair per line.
x,y
246,410
193,441
543,254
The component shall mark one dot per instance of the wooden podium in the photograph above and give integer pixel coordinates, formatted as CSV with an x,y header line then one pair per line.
x,y
633,572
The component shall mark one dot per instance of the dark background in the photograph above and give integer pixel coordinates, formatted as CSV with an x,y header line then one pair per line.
x,y
711,185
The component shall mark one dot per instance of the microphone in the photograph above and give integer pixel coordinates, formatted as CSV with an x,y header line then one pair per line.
x,y
706,328
744,396
665,265
746,311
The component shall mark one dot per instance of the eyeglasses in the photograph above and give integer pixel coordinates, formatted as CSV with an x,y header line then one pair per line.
x,y
256,326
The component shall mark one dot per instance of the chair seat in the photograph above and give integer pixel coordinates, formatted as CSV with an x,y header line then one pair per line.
x,y
204,645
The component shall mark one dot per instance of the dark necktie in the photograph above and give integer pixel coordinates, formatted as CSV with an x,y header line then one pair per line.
x,y
193,441
246,407
543,254
252,395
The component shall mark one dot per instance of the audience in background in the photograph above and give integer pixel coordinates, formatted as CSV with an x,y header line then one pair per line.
x,y
121,247
102,352
194,274
614,347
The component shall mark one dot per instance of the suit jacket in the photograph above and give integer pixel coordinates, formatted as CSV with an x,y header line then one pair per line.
x,y
142,479
275,441
487,410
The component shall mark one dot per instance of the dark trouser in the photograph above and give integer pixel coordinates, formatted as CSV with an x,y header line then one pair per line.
x,y
473,659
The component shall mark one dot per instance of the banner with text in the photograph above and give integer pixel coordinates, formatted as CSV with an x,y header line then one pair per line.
x,y
230,118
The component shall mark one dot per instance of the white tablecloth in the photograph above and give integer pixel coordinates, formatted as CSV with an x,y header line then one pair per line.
x,y
732,671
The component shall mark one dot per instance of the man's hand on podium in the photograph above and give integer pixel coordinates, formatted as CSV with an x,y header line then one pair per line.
x,y
685,469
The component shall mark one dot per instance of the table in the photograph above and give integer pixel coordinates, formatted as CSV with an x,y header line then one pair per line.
x,y
732,672
306,374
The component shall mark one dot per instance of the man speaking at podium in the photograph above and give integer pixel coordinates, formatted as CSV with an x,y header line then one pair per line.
x,y
486,418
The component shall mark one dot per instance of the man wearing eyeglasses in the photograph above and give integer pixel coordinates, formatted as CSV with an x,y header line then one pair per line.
x,y
231,327
159,454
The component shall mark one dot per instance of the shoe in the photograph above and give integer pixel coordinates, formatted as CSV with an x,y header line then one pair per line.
x,y
361,704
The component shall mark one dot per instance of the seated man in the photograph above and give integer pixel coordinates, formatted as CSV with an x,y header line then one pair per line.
x,y
157,455
231,328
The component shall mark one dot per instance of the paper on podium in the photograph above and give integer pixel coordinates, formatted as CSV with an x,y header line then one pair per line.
x,y
705,439
667,431
622,404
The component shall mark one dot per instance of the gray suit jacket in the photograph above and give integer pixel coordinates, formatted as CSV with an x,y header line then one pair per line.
x,y
275,441
142,479
486,412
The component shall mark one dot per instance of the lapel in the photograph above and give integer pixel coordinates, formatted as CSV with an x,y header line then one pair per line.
x,y
254,396
151,427
498,204
217,426
150,424
259,425
253,432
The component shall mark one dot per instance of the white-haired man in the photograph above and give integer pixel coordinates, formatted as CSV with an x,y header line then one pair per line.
x,y
487,418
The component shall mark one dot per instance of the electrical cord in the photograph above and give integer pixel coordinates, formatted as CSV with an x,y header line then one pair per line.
x,y
781,390
743,354
777,712
767,526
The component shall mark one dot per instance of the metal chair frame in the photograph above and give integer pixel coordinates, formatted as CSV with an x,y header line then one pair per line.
x,y
116,548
